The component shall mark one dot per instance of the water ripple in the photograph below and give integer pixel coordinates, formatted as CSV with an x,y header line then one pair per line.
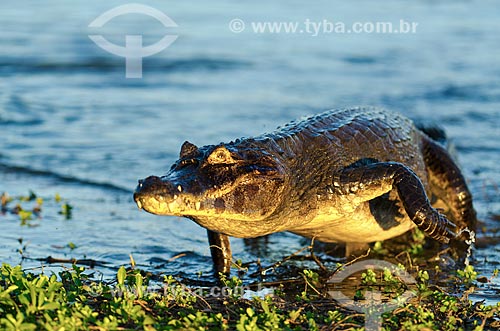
x,y
90,65
9,168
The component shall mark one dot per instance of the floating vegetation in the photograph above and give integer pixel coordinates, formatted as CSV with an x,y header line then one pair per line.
x,y
66,210
70,300
29,207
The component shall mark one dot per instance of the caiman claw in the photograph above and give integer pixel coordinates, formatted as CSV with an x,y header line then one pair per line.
x,y
436,225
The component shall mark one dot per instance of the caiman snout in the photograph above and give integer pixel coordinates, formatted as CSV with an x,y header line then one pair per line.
x,y
164,196
149,183
152,187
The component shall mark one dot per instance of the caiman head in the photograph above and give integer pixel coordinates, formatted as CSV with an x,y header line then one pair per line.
x,y
225,188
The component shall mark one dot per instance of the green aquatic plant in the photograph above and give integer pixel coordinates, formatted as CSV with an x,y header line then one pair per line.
x,y
25,216
30,197
468,275
369,277
66,210
71,300
29,207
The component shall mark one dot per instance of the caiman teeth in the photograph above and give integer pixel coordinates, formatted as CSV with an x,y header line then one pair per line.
x,y
172,205
198,205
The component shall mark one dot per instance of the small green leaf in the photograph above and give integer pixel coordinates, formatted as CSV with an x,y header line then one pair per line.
x,y
138,284
50,306
121,275
66,210
25,215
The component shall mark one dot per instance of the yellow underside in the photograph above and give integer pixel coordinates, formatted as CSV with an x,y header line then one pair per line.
x,y
359,226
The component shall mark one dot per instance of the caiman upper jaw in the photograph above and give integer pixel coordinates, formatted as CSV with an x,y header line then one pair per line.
x,y
149,186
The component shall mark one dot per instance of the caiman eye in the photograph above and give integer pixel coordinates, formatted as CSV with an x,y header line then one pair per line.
x,y
220,155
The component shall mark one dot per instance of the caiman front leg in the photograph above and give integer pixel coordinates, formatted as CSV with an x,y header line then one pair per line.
x,y
220,248
365,182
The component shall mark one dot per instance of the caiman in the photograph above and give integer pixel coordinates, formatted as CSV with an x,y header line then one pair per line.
x,y
351,176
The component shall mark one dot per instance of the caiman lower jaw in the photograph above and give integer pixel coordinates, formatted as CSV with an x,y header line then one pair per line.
x,y
186,207
157,206
179,206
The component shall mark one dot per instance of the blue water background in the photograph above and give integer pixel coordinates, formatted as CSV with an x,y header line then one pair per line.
x,y
70,122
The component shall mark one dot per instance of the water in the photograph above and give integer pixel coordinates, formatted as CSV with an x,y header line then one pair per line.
x,y
71,123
